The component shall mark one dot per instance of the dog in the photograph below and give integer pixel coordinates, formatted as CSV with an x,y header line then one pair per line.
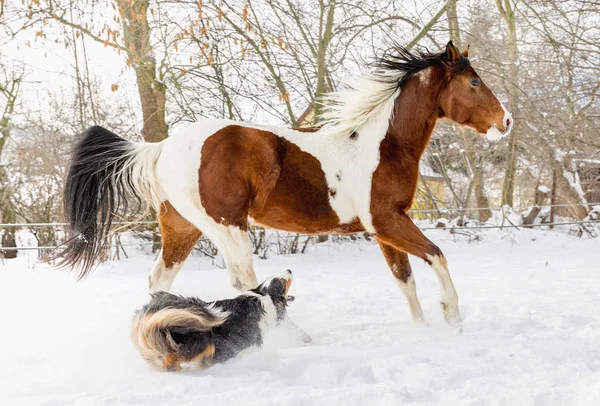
x,y
172,329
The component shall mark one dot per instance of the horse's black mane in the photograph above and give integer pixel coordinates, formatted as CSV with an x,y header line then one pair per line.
x,y
399,59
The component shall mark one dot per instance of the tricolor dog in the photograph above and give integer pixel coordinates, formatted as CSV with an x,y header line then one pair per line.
x,y
172,329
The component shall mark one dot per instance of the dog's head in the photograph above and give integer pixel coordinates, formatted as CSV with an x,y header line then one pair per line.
x,y
277,289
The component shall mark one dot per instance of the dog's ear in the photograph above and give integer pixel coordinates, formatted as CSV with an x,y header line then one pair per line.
x,y
277,287
262,288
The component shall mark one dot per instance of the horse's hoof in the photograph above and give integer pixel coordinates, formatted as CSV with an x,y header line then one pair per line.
x,y
455,322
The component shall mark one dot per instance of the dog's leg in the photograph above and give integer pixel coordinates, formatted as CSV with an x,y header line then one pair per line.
x,y
303,335
205,358
171,362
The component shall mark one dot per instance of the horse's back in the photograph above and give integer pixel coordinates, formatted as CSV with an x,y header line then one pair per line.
x,y
234,171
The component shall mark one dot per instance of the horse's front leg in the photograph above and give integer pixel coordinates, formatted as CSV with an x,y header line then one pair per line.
x,y
398,263
398,230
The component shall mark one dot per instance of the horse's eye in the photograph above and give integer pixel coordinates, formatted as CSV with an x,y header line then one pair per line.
x,y
475,82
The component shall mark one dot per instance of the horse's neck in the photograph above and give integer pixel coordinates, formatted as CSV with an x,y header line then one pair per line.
x,y
415,115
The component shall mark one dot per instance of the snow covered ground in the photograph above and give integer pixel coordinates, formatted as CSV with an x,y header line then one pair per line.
x,y
530,336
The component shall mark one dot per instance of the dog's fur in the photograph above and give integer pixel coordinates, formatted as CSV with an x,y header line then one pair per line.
x,y
171,329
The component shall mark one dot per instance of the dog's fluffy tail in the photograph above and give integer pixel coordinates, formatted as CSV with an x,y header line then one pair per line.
x,y
151,332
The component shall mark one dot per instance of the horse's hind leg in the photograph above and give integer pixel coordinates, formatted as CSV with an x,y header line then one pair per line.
x,y
234,244
231,240
400,266
178,239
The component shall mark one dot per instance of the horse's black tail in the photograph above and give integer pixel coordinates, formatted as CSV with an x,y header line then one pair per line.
x,y
106,173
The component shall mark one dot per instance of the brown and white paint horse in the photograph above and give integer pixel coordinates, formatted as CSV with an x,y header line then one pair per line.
x,y
356,173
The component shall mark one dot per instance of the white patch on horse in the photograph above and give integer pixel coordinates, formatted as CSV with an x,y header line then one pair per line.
x,y
507,120
424,76
449,295
161,277
180,185
139,171
410,291
365,110
493,133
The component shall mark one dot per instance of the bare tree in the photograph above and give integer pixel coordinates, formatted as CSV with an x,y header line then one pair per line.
x,y
10,84
133,37
506,10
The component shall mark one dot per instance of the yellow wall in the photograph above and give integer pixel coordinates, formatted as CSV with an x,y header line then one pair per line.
x,y
422,200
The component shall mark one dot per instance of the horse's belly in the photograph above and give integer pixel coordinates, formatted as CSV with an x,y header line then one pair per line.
x,y
301,200
305,224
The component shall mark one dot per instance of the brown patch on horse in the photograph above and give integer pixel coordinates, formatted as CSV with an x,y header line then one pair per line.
x,y
300,200
178,235
271,180
397,261
395,180
229,186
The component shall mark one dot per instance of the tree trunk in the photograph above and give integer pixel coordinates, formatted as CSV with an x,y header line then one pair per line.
x,y
553,197
475,163
481,200
136,36
507,12
8,234
453,27
327,28
6,207
10,92
538,200
474,159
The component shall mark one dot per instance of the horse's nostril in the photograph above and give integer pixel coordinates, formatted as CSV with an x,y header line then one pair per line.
x,y
508,123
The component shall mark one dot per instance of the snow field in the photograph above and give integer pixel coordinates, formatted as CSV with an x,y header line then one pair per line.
x,y
530,334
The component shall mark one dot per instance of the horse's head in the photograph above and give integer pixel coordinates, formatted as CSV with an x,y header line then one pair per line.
x,y
465,99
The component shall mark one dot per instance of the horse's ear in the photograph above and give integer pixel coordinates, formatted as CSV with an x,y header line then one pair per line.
x,y
465,53
452,53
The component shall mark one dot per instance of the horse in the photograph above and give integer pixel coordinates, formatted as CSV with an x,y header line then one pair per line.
x,y
357,172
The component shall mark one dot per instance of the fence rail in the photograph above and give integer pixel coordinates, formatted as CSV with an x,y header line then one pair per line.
x,y
467,209
34,225
440,210
291,235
